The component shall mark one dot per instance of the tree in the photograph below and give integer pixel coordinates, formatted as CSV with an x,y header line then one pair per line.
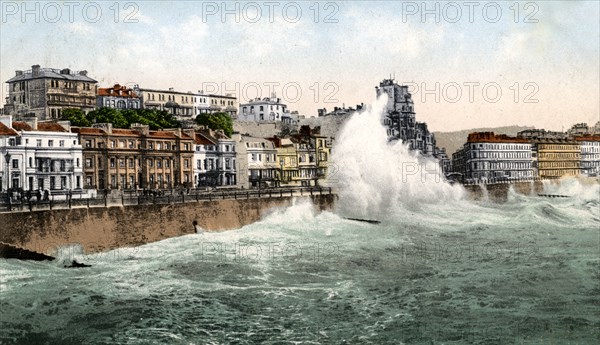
x,y
108,115
76,117
216,121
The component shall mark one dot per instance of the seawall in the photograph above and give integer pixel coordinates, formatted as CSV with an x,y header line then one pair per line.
x,y
499,192
99,229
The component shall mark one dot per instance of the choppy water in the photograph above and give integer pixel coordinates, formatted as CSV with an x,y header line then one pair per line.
x,y
437,270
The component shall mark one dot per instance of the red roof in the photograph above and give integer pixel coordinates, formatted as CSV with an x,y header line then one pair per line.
x,y
490,137
117,91
87,130
21,126
5,130
50,127
125,132
588,138
203,140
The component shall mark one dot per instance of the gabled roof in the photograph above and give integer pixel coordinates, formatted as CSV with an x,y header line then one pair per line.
x,y
5,130
202,139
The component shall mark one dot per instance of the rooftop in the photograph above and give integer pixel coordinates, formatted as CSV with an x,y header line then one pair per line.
x,y
36,72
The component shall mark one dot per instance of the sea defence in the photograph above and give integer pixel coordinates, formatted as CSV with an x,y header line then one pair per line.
x,y
498,192
98,229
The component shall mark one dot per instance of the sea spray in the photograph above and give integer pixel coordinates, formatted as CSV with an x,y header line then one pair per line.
x,y
375,176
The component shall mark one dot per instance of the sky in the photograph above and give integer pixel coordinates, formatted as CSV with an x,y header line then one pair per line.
x,y
468,64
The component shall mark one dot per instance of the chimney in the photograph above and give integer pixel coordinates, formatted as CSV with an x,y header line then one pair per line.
x,y
65,71
143,129
171,89
107,127
18,73
32,122
65,124
35,70
190,132
6,120
83,73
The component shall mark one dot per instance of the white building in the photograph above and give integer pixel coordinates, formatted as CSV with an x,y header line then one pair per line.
x,y
490,158
257,162
266,109
42,156
590,154
214,159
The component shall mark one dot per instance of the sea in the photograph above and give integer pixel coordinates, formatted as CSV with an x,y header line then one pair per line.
x,y
438,268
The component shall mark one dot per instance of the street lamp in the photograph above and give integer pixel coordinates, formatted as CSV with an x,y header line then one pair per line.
x,y
7,158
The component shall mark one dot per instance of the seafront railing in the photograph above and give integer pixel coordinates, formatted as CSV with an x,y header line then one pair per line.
x,y
145,198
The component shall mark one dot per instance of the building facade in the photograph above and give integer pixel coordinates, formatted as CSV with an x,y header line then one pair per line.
x,y
265,109
41,156
136,158
257,162
44,93
215,159
400,119
185,106
590,154
490,158
118,97
556,158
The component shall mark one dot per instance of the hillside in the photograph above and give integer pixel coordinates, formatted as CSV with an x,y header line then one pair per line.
x,y
452,141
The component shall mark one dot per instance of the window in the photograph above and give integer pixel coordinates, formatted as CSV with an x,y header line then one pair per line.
x,y
112,162
61,143
50,143
30,162
15,164
88,162
88,143
186,163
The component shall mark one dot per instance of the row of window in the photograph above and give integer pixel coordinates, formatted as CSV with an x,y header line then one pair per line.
x,y
213,164
131,144
501,154
545,165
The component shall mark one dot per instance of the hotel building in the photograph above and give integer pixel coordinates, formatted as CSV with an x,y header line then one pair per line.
x,y
44,93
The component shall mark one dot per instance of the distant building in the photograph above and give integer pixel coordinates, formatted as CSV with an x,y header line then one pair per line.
x,y
185,106
40,156
590,154
556,158
340,110
532,134
44,93
400,119
266,109
488,158
118,97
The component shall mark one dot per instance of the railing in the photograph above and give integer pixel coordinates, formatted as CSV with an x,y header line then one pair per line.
x,y
148,197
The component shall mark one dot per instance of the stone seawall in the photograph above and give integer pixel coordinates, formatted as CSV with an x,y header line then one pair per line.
x,y
499,192
105,228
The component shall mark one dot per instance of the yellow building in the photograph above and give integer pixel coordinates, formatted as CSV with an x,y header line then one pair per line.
x,y
557,158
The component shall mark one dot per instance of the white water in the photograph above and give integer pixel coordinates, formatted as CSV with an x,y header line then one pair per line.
x,y
375,177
